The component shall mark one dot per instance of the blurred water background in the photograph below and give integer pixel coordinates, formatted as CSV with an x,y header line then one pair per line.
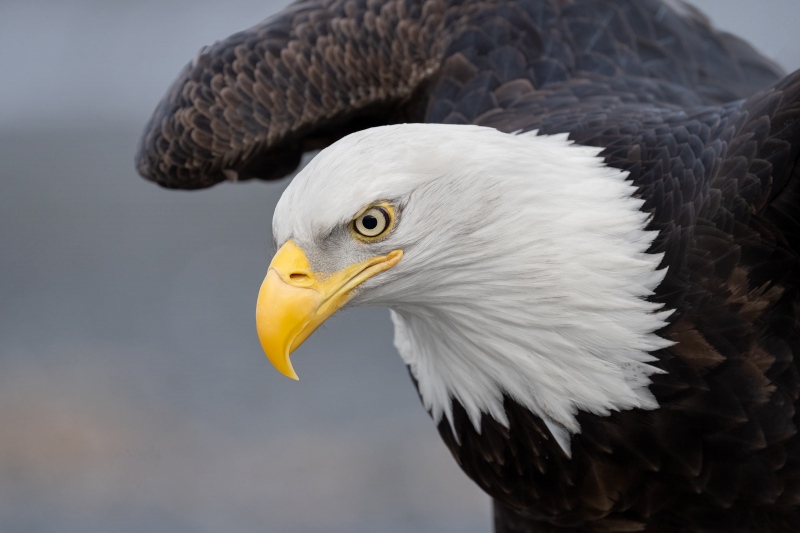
x,y
133,394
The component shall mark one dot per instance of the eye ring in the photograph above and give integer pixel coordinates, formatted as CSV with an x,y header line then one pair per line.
x,y
373,223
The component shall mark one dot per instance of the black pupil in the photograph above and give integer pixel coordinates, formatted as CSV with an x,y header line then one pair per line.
x,y
370,222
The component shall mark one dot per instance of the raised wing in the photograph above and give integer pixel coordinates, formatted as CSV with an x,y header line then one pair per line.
x,y
250,105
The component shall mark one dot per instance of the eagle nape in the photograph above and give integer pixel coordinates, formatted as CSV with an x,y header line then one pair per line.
x,y
583,216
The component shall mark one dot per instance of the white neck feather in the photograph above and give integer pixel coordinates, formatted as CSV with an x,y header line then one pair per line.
x,y
537,291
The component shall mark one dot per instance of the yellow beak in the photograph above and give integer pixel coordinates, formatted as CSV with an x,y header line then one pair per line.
x,y
294,300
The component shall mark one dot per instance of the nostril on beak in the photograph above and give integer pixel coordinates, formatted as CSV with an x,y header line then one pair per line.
x,y
299,277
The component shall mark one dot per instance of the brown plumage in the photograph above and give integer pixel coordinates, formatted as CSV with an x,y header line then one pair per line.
x,y
248,106
709,133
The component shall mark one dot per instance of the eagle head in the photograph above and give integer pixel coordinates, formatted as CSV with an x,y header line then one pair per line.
x,y
514,265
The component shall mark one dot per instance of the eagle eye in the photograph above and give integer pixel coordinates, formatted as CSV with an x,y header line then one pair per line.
x,y
373,223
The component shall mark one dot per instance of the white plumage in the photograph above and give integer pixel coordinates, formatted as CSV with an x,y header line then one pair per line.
x,y
524,270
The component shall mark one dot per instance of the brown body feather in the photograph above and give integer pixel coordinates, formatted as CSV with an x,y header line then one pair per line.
x,y
675,104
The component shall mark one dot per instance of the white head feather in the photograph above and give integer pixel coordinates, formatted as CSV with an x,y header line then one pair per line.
x,y
524,270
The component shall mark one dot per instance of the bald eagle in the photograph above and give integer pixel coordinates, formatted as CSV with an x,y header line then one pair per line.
x,y
584,215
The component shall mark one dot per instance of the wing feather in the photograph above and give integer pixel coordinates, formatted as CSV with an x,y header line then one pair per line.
x,y
250,105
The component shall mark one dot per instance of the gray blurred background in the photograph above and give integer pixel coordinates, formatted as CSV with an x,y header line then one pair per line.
x,y
133,392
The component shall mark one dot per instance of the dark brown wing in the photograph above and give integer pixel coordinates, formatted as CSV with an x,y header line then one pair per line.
x,y
249,105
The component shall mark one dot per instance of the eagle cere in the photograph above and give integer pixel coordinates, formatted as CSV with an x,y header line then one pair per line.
x,y
582,215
